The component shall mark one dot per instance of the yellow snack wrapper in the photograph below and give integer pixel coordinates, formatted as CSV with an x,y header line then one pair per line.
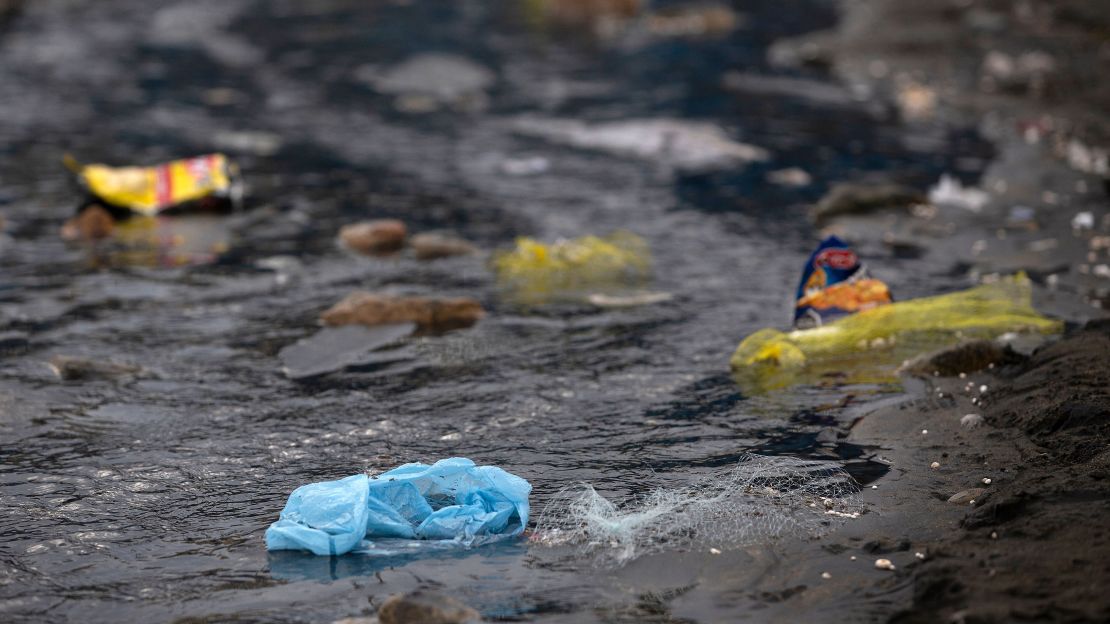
x,y
868,346
534,272
211,178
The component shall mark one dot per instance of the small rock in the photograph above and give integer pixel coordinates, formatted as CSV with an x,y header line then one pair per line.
x,y
966,496
856,199
433,246
826,575
364,308
934,465
986,481
75,368
426,607
884,564
971,421
93,223
374,238
715,551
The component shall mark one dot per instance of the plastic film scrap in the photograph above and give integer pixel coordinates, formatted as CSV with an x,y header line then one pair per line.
x,y
535,272
450,503
866,347
207,179
757,500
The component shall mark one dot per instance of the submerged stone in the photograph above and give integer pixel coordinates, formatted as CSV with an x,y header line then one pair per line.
x,y
426,607
434,313
94,223
76,368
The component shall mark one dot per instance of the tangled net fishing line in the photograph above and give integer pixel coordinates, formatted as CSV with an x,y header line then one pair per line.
x,y
760,499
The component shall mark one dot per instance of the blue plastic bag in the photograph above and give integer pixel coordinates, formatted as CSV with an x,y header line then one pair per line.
x,y
452,502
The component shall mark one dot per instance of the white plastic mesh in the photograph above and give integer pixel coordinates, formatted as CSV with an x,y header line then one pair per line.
x,y
760,499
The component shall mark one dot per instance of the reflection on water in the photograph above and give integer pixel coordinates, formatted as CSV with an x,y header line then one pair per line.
x,y
144,498
144,241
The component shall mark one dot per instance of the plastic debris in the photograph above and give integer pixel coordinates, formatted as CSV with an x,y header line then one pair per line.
x,y
834,283
429,313
759,499
335,348
453,502
682,144
884,564
1083,221
950,192
535,272
209,182
867,346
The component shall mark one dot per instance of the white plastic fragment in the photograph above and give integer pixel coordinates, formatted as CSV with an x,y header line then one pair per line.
x,y
1083,221
934,465
884,564
986,481
826,575
949,191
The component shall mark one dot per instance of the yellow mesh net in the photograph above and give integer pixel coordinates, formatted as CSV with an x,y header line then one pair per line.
x,y
868,346
535,272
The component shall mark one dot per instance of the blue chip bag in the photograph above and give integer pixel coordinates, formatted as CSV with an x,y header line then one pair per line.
x,y
834,284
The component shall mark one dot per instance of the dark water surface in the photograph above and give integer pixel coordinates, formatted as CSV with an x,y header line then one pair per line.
x,y
145,499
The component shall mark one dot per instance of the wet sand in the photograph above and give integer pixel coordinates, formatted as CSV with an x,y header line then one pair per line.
x,y
1026,537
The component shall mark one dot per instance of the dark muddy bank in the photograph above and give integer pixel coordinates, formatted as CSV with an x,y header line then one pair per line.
x,y
1024,534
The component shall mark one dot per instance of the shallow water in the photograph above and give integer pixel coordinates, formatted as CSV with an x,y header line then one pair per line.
x,y
145,498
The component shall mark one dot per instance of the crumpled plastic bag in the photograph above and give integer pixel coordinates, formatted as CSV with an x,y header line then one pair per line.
x,y
453,502
535,272
867,347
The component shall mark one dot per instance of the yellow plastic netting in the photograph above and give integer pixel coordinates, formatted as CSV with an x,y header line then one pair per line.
x,y
868,346
535,272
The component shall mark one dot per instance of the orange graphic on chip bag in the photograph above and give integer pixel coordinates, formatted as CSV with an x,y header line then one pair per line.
x,y
849,296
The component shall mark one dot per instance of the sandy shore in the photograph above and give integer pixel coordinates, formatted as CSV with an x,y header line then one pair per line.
x,y
1004,521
